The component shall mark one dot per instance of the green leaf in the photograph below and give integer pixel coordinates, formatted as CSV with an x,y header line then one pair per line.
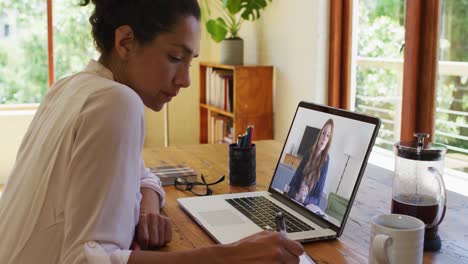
x,y
251,8
218,29
233,6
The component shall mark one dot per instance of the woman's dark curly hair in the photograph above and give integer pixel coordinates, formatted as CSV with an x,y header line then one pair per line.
x,y
147,18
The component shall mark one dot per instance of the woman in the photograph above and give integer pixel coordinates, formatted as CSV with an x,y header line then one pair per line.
x,y
309,179
79,192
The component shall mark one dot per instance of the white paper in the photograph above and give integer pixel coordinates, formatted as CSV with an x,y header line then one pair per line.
x,y
305,259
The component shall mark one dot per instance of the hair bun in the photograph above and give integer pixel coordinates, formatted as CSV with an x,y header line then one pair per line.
x,y
95,2
147,18
85,2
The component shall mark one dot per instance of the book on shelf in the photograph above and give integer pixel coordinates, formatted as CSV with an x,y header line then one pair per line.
x,y
219,88
227,140
220,128
168,174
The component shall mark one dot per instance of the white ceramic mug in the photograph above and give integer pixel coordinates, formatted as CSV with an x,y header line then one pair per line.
x,y
396,239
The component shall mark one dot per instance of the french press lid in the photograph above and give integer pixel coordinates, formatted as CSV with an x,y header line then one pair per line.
x,y
415,150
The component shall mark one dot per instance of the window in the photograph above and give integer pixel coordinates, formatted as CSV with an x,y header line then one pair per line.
x,y
73,43
408,66
24,48
452,85
378,77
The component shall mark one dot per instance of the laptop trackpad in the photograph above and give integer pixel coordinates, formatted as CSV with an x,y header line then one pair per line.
x,y
221,217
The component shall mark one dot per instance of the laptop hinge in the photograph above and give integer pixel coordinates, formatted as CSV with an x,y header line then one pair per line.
x,y
304,212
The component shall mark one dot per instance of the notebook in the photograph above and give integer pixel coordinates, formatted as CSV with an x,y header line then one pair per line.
x,y
168,174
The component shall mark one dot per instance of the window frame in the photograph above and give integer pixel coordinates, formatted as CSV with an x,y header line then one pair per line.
x,y
50,44
339,53
50,63
420,68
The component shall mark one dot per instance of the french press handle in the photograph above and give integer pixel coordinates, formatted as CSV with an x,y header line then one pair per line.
x,y
443,200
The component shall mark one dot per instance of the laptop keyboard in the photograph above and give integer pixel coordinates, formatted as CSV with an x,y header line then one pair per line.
x,y
263,211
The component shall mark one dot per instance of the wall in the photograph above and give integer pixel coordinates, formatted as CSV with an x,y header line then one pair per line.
x,y
293,37
13,126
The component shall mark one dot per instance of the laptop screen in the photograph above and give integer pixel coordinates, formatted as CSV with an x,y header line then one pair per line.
x,y
322,159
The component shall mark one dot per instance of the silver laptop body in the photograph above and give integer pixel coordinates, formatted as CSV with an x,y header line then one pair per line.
x,y
352,140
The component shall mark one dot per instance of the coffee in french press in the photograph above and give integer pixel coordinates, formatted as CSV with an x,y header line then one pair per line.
x,y
418,186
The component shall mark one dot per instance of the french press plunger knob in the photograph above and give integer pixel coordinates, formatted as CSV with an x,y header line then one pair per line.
x,y
421,137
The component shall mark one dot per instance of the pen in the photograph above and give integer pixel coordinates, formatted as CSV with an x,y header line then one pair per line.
x,y
244,140
239,140
281,227
251,135
280,223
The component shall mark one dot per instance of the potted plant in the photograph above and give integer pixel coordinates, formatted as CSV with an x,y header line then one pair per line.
x,y
225,28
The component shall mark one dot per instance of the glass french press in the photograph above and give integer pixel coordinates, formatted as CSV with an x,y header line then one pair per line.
x,y
418,186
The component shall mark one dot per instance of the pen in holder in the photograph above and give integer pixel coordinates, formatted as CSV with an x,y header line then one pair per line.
x,y
242,169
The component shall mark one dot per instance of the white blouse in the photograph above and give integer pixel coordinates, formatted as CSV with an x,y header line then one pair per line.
x,y
73,195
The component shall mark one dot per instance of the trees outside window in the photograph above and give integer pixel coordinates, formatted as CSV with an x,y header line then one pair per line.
x,y
24,53
452,85
379,60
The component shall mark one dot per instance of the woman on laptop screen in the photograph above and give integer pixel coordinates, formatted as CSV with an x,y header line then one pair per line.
x,y
307,184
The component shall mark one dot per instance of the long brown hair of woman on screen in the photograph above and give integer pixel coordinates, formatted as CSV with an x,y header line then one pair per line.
x,y
314,165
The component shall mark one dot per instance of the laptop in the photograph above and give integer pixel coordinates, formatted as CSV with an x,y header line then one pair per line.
x,y
314,194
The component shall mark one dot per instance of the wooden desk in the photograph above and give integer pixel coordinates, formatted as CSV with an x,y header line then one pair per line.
x,y
373,198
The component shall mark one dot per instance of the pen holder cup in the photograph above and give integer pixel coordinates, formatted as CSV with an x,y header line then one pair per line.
x,y
242,169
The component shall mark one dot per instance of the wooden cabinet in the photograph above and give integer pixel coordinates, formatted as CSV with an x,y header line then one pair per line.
x,y
233,97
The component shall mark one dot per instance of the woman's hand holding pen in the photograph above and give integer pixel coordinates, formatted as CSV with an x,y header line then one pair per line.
x,y
282,230
264,247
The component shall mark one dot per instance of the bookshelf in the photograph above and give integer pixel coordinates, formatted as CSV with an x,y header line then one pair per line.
x,y
233,97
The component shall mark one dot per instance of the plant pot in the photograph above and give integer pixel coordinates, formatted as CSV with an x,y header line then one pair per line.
x,y
232,51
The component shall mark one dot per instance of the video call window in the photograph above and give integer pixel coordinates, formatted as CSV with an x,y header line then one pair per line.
x,y
321,161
